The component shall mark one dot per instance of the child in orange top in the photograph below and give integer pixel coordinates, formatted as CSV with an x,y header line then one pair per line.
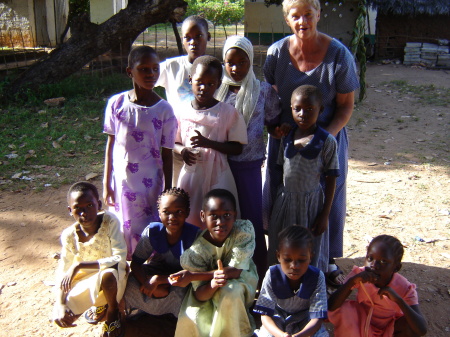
x,y
386,304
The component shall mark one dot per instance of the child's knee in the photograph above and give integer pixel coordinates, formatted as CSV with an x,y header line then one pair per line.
x,y
109,280
232,291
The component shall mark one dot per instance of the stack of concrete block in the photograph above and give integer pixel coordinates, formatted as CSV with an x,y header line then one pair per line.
x,y
430,54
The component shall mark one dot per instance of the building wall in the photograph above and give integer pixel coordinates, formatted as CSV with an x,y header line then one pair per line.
x,y
102,10
15,26
393,31
266,25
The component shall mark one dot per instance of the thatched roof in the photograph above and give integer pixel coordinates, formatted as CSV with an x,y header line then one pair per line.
x,y
411,7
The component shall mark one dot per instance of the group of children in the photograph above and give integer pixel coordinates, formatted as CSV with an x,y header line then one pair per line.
x,y
191,254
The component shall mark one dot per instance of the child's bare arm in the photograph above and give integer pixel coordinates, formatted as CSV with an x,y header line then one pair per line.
x,y
167,159
321,222
270,326
66,282
310,329
412,313
229,148
207,291
232,273
340,295
184,277
108,193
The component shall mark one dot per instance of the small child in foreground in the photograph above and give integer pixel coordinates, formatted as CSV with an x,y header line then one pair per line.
x,y
224,276
93,268
157,255
386,305
293,298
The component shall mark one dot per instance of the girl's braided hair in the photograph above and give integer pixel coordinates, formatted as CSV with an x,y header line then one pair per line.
x,y
393,243
297,235
178,192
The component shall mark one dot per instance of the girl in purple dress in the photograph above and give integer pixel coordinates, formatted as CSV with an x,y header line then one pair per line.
x,y
141,130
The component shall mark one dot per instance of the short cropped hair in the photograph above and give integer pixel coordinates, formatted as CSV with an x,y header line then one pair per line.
x,y
208,61
198,20
289,4
137,52
219,193
308,90
83,186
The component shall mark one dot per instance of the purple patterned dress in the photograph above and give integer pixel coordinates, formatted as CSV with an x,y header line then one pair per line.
x,y
138,176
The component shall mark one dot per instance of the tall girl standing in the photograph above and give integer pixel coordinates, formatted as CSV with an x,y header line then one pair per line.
x,y
141,130
259,104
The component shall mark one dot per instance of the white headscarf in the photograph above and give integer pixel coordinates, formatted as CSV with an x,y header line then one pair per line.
x,y
248,94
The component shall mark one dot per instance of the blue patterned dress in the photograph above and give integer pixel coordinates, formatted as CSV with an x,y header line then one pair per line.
x,y
336,74
290,310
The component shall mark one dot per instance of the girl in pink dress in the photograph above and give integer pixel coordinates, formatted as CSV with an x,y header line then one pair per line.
x,y
209,130
386,305
141,129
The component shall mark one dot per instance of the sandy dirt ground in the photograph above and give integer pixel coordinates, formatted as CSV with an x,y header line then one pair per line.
x,y
398,184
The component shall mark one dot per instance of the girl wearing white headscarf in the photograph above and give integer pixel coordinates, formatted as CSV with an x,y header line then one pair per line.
x,y
259,104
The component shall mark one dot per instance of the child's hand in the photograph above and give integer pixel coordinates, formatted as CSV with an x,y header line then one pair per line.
x,y
219,279
281,131
200,141
180,279
148,288
189,157
389,293
108,196
367,276
320,224
232,273
66,282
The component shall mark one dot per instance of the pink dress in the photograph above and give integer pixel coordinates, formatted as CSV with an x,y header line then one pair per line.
x,y
138,176
350,318
220,123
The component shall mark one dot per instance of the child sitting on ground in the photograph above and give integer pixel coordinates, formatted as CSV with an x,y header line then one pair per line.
x,y
293,298
386,305
92,270
224,276
175,71
161,244
208,131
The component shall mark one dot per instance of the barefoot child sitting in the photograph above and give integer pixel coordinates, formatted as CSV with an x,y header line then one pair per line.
x,y
224,276
293,298
92,270
157,255
386,305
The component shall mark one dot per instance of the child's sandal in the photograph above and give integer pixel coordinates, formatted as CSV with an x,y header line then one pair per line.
x,y
113,326
93,316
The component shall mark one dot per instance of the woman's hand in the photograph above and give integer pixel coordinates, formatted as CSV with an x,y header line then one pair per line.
x,y
180,279
200,140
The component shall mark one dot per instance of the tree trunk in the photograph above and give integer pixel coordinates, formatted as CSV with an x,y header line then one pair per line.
x,y
92,40
178,38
